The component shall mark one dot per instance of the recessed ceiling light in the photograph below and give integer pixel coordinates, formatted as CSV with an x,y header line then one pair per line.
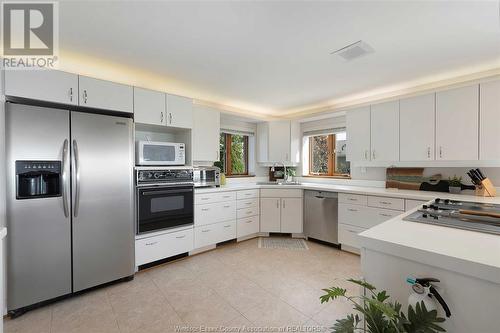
x,y
354,50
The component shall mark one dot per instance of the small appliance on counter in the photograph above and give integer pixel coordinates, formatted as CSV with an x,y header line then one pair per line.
x,y
474,216
206,176
164,198
160,153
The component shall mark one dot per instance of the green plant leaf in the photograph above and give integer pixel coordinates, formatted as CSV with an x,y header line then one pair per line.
x,y
346,325
362,283
420,320
333,293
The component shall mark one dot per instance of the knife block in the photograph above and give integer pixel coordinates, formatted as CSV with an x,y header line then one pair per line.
x,y
486,189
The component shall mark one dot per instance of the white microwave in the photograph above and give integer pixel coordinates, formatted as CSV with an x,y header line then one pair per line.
x,y
160,153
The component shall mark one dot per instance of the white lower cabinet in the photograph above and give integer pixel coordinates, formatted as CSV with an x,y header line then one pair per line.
x,y
163,246
247,226
281,211
363,212
214,233
248,213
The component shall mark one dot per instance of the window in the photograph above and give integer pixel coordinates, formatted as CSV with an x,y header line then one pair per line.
x,y
327,155
233,154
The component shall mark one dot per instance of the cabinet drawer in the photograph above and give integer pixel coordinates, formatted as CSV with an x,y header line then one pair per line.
x,y
163,246
227,231
378,215
214,197
410,204
348,235
214,233
388,203
280,193
247,203
247,194
216,212
206,235
246,212
247,226
353,199
355,215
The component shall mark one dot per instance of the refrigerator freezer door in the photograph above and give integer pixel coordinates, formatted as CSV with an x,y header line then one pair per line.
x,y
102,176
39,238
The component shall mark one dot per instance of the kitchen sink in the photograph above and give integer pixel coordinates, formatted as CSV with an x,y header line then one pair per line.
x,y
278,184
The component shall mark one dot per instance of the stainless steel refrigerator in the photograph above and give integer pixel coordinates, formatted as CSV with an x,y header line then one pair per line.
x,y
69,202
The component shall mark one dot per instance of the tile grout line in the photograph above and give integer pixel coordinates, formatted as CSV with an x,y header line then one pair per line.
x,y
113,310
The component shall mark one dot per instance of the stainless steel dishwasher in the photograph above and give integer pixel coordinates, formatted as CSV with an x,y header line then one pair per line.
x,y
321,215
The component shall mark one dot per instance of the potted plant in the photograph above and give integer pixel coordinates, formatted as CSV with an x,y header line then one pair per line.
x,y
375,313
455,184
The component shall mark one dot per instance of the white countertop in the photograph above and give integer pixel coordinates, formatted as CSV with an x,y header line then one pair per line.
x,y
387,192
465,252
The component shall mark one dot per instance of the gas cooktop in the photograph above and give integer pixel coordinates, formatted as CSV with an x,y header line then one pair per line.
x,y
481,217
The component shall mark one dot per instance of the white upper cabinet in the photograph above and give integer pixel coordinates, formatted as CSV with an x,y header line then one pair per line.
x,y
489,114
457,124
417,127
278,141
358,134
385,131
206,132
43,85
106,95
149,107
179,111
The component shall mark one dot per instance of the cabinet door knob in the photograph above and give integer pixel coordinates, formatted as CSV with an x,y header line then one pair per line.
x,y
440,152
366,154
283,203
85,96
428,152
373,154
71,94
161,118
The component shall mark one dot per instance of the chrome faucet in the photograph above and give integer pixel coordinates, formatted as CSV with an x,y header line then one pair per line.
x,y
284,170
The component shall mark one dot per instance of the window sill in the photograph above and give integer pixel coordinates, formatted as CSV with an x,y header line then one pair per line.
x,y
334,177
239,176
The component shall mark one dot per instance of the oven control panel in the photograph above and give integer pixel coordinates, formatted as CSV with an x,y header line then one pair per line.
x,y
148,176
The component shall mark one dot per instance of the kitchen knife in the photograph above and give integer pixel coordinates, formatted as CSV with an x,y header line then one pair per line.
x,y
481,175
473,177
476,175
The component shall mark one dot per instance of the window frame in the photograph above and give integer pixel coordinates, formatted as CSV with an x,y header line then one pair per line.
x,y
332,152
227,154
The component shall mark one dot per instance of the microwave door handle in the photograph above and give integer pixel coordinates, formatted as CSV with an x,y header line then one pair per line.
x,y
166,192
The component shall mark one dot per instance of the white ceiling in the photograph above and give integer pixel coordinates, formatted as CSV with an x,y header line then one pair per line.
x,y
274,57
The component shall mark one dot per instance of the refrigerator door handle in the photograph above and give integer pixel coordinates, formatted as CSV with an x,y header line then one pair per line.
x,y
77,177
65,178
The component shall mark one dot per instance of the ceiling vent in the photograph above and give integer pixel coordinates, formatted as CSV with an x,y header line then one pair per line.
x,y
354,50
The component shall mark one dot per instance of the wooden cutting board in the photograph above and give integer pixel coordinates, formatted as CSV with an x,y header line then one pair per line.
x,y
408,178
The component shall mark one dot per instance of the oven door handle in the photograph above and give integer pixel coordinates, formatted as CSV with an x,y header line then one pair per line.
x,y
167,192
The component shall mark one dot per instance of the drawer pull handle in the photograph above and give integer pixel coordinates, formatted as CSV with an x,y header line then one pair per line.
x,y
249,212
180,237
247,194
205,198
207,230
249,221
227,206
226,196
385,202
352,210
205,209
149,244
386,215
227,226
248,203
352,199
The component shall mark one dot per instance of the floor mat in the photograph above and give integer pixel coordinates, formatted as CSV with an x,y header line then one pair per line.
x,y
282,243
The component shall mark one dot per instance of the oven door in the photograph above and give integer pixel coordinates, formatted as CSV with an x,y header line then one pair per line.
x,y
163,207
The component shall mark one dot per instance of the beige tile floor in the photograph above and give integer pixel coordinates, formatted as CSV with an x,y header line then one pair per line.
x,y
236,285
